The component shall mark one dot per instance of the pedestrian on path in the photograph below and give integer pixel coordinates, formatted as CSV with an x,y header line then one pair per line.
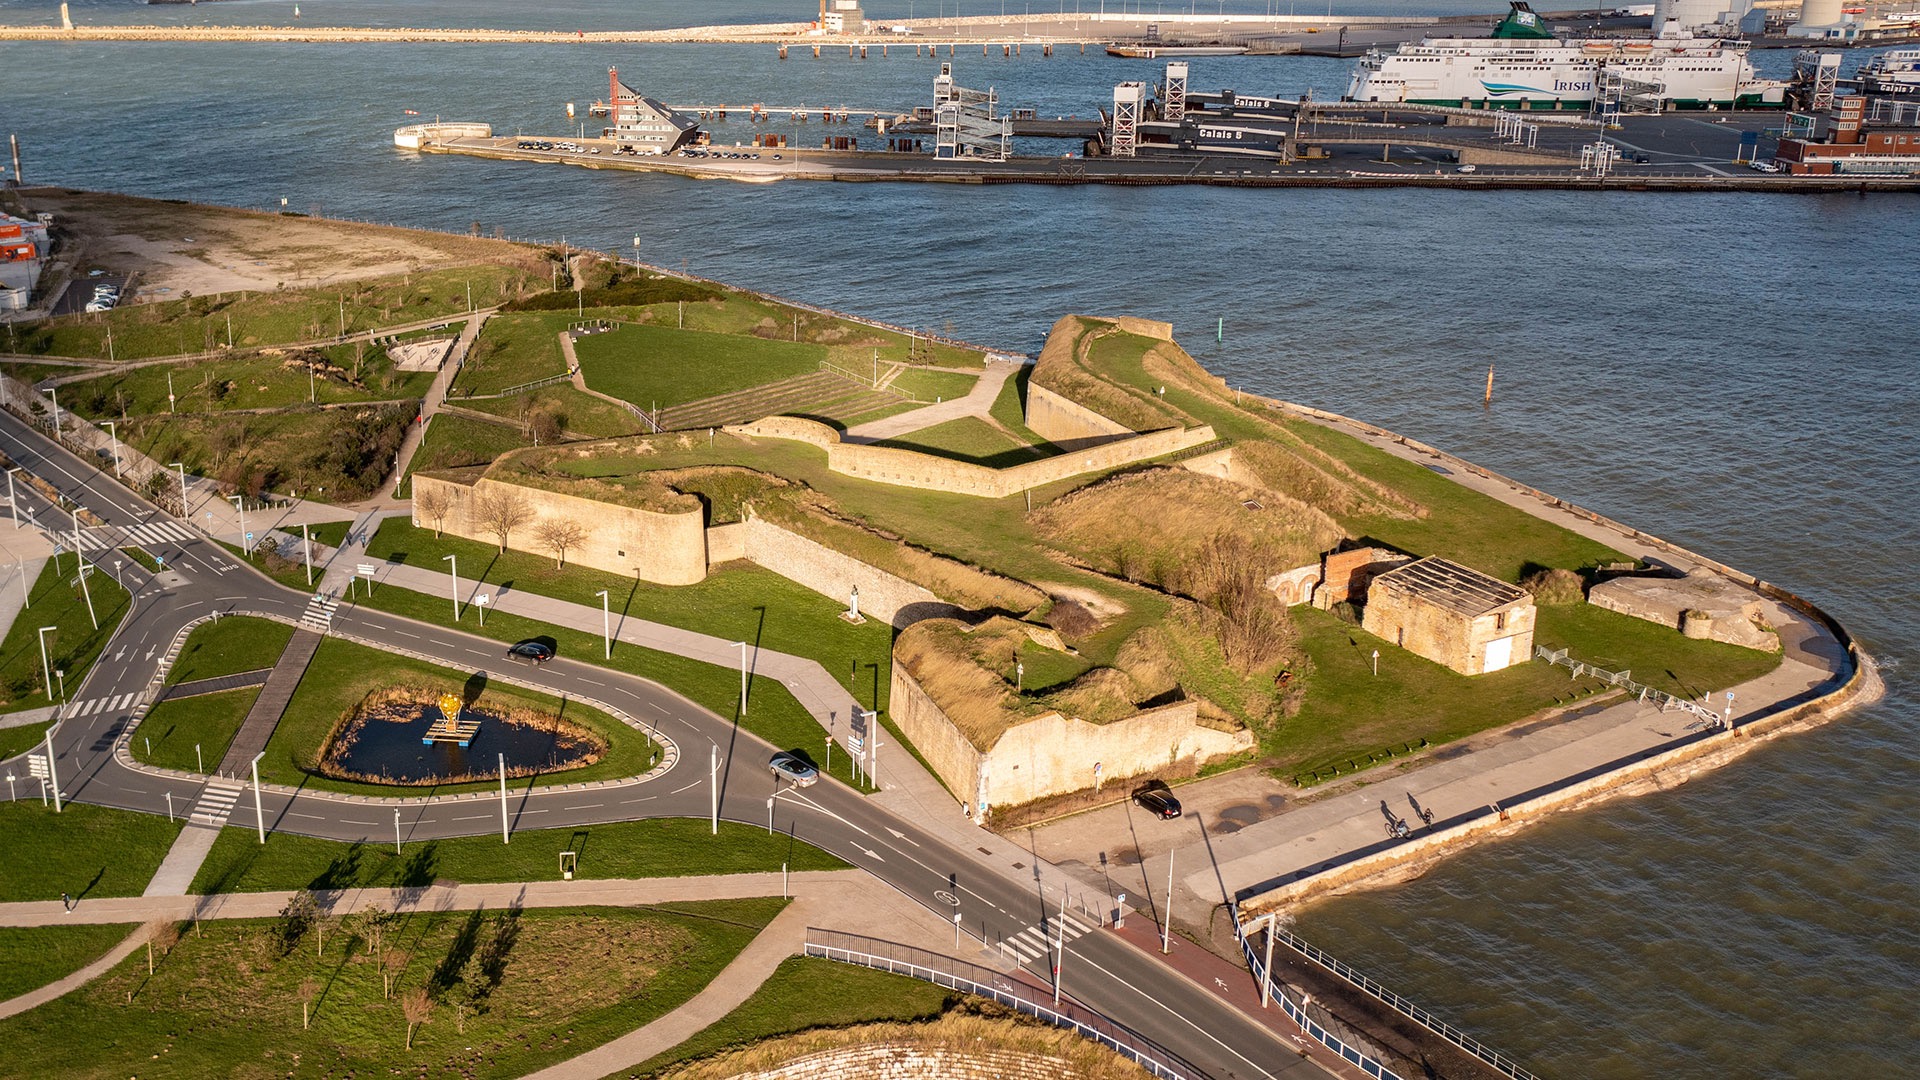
x,y
66,902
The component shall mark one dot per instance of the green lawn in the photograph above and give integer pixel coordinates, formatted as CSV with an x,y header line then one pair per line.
x,y
291,572
19,740
513,349
929,385
968,438
658,847
1658,656
578,413
330,533
651,365
229,646
773,714
331,455
87,851
192,734
33,956
173,327
140,556
343,673
805,993
225,1002
58,600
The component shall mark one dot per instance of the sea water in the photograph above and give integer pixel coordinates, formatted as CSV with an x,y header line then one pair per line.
x,y
1733,372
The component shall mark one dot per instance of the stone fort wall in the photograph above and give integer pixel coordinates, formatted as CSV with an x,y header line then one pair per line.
x,y
669,549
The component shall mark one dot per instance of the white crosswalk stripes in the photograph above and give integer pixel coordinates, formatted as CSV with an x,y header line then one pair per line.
x,y
103,705
216,802
1037,941
153,532
319,613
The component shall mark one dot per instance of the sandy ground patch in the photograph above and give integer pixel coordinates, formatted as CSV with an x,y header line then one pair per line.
x,y
420,355
180,247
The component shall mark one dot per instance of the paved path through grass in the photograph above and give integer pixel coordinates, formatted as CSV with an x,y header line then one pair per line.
x,y
978,402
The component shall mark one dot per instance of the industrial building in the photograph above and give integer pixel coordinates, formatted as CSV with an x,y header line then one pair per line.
x,y
1856,135
1179,123
24,246
641,125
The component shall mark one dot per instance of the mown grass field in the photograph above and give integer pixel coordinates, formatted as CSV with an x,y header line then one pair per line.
x,y
33,956
86,851
59,600
805,993
514,348
655,366
929,385
453,442
226,999
658,847
255,381
229,646
578,413
192,734
968,438
19,740
343,673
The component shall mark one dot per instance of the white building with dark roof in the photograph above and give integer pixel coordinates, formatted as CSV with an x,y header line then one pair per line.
x,y
642,123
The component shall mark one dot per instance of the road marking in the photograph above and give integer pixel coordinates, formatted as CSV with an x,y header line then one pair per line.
x,y
898,835
658,709
583,806
678,790
313,817
644,798
871,854
474,817
403,633
350,821
593,682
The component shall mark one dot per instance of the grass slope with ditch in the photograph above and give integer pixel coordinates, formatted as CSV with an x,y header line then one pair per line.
x,y
33,956
272,380
85,851
802,994
226,999
968,438
572,411
343,673
330,455
192,734
229,646
58,599
654,366
513,349
658,847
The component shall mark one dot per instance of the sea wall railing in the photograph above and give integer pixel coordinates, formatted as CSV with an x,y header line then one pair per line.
x,y
1624,680
1297,1013
882,955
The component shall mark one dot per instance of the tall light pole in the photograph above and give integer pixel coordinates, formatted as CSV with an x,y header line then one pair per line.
x,y
606,622
54,393
306,545
713,775
11,501
182,469
506,837
114,436
453,577
46,669
259,815
53,775
742,646
240,503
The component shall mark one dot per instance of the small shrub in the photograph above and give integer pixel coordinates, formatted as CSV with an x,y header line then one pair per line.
x,y
1555,587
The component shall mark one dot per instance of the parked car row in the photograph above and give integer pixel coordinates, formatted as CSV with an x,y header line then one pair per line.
x,y
105,298
743,155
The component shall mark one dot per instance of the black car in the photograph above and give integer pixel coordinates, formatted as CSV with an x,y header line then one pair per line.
x,y
531,652
1156,798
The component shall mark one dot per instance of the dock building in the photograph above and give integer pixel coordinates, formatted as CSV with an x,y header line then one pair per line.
x,y
23,253
641,125
1855,136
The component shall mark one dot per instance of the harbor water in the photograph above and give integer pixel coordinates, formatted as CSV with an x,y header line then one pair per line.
x,y
1733,372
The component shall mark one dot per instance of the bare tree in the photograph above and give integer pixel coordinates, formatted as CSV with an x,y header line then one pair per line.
x,y
162,937
391,965
323,922
371,925
501,512
418,1008
309,989
435,502
559,534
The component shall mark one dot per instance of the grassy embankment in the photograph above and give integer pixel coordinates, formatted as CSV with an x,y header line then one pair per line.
x,y
85,851
658,847
512,991
58,599
343,673
33,956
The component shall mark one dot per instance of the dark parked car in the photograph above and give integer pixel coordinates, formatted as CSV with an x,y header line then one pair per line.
x,y
531,652
794,767
1156,798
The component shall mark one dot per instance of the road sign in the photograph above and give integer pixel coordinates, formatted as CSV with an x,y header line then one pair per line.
x,y
366,569
37,766
482,599
856,743
249,538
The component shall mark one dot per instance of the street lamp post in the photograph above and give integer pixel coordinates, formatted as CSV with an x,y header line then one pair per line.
x,y
453,575
46,669
396,830
606,622
306,545
55,395
11,501
506,836
240,503
259,815
80,565
182,469
53,775
114,439
742,646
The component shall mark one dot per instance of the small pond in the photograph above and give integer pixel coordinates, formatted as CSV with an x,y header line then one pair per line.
x,y
382,744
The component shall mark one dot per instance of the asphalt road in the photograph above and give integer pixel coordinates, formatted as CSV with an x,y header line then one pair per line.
x,y
997,902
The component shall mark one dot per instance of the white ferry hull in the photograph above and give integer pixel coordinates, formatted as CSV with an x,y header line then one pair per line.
x,y
1552,74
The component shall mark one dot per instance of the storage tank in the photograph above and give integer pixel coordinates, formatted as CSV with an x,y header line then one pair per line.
x,y
1816,14
1682,18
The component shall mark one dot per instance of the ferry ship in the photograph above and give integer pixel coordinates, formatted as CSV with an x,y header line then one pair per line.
x,y
1523,66
1896,72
